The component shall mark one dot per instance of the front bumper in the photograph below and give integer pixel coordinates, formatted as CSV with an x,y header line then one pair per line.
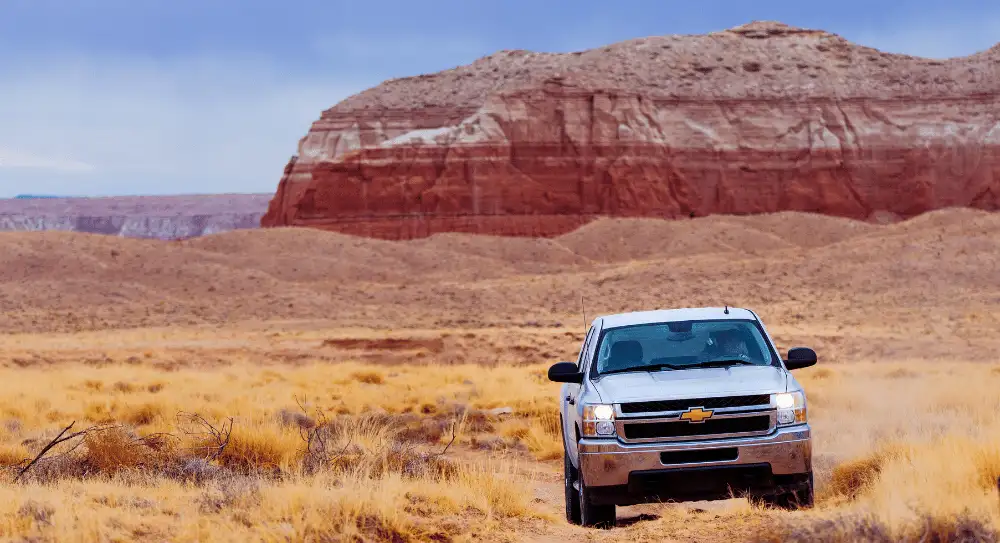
x,y
607,463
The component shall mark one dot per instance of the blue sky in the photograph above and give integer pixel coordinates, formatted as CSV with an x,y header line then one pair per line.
x,y
101,97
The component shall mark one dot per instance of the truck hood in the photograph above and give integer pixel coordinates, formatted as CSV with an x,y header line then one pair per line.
x,y
691,383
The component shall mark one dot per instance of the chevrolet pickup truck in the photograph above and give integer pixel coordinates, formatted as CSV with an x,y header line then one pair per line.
x,y
682,405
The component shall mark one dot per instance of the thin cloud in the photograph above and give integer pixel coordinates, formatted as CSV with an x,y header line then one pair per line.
x,y
15,158
209,124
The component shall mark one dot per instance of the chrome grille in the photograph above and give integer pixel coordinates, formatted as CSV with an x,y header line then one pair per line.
x,y
722,402
677,428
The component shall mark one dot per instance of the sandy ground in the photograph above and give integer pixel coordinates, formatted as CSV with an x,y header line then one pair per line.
x,y
910,306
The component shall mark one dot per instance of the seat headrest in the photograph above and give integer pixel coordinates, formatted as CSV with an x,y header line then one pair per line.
x,y
626,351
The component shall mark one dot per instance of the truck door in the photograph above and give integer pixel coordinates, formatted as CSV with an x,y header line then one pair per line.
x,y
572,408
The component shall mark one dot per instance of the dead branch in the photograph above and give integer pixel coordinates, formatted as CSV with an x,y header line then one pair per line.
x,y
454,435
76,445
57,440
317,438
61,438
302,406
220,436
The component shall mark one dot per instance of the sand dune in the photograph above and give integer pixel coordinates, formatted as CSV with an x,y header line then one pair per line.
x,y
620,240
775,263
805,229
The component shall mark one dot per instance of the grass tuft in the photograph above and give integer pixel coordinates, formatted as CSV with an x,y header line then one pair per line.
x,y
852,478
371,377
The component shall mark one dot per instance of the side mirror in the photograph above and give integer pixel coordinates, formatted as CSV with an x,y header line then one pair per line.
x,y
800,357
565,372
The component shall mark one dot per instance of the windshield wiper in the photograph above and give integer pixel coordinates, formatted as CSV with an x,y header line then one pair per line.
x,y
709,364
650,368
723,363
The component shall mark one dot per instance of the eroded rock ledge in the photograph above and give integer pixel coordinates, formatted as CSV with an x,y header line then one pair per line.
x,y
759,118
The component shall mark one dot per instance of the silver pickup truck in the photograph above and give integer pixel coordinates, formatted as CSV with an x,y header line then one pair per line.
x,y
682,405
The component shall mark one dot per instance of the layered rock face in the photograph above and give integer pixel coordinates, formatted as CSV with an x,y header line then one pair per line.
x,y
158,217
759,118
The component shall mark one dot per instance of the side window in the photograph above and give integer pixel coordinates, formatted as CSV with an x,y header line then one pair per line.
x,y
586,347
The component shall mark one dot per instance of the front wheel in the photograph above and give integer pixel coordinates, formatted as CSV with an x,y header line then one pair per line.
x,y
570,477
591,514
800,498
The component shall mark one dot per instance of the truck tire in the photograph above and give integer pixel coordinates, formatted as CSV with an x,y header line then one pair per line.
x,y
591,514
572,497
801,498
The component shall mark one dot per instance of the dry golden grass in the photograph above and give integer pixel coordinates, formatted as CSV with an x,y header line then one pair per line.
x,y
268,482
896,452
319,507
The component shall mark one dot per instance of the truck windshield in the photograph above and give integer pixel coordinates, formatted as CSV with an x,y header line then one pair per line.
x,y
682,345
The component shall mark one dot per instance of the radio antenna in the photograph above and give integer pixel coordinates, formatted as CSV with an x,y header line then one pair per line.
x,y
727,309
584,307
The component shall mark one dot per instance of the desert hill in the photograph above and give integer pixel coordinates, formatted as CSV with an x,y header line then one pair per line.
x,y
793,268
760,118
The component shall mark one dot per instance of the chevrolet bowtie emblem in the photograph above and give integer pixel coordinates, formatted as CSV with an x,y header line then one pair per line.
x,y
696,414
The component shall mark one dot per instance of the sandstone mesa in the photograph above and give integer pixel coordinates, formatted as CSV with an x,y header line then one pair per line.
x,y
758,118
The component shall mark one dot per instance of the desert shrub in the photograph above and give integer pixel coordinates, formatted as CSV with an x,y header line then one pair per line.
x,y
40,513
395,458
141,415
123,387
848,528
228,492
901,373
296,419
987,463
841,529
417,429
371,446
117,449
195,470
372,377
383,528
11,455
98,412
951,529
474,421
13,426
103,451
850,479
493,483
539,434
261,448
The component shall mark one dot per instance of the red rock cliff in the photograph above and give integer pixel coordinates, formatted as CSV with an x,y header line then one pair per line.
x,y
758,118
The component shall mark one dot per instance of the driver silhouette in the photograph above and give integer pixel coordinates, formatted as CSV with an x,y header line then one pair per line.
x,y
727,344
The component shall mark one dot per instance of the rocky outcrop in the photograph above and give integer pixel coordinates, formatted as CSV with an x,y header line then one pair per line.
x,y
159,217
758,118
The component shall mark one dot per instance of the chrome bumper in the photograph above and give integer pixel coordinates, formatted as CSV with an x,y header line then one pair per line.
x,y
605,462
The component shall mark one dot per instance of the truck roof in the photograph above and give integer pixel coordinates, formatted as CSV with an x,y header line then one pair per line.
x,y
672,315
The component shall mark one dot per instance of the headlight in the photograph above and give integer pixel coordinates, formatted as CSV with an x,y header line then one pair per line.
x,y
791,408
598,420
